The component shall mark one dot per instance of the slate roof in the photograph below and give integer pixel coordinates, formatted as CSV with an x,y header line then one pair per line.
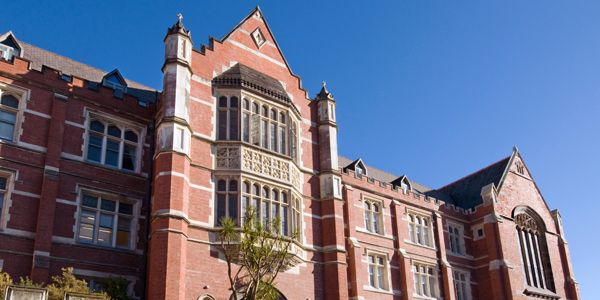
x,y
381,175
245,77
466,192
41,57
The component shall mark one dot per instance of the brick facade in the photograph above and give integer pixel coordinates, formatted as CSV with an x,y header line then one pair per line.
x,y
364,233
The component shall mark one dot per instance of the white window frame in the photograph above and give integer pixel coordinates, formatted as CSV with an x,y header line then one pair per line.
x,y
123,125
370,215
414,228
23,95
7,203
467,284
135,216
453,238
417,278
386,270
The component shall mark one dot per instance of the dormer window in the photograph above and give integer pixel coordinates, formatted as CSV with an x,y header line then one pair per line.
x,y
358,167
9,48
115,81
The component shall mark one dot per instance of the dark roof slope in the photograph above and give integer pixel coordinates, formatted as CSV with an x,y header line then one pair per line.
x,y
243,76
466,192
40,57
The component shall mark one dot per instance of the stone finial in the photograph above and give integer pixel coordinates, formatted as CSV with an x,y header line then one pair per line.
x,y
178,27
324,94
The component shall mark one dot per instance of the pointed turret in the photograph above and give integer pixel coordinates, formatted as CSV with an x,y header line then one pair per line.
x,y
173,132
330,180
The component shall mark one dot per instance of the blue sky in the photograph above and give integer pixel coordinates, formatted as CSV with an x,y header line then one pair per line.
x,y
432,89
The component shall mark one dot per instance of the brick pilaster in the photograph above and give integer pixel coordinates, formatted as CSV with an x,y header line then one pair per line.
x,y
50,186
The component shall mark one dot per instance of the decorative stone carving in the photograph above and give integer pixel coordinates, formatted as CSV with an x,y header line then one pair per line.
x,y
526,222
228,157
260,163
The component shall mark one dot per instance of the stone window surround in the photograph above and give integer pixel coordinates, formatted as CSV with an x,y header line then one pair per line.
x,y
372,200
386,271
23,95
135,224
436,274
90,114
422,214
468,295
462,250
10,176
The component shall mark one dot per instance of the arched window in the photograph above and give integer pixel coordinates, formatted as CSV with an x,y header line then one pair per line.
x,y
228,118
9,106
373,216
419,228
227,200
112,145
534,251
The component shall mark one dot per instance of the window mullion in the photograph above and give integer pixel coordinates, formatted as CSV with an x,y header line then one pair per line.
x,y
540,263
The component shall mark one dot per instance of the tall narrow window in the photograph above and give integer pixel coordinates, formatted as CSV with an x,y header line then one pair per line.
x,y
105,222
222,116
3,182
534,251
462,289
373,216
227,200
425,280
234,118
9,106
112,145
456,237
246,121
419,229
377,271
282,133
293,140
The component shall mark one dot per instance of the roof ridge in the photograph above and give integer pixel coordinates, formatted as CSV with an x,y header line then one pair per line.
x,y
475,172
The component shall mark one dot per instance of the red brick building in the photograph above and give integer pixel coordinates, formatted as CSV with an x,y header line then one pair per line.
x,y
114,178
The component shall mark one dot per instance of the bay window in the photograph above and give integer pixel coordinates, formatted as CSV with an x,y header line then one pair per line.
x,y
268,202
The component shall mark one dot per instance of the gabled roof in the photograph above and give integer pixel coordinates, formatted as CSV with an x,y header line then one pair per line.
x,y
257,9
243,76
115,74
9,39
402,179
357,163
466,192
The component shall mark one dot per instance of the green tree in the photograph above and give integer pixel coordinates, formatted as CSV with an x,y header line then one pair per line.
x,y
67,283
255,254
5,281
